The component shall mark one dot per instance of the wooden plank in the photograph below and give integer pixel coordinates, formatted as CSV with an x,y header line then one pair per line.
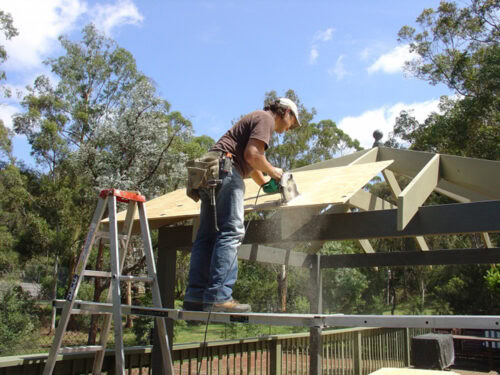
x,y
417,191
430,220
317,188
336,162
477,175
412,258
320,187
396,191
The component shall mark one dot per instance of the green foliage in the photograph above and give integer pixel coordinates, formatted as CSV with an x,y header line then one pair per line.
x,y
466,290
343,288
9,31
257,286
492,278
143,330
18,319
460,48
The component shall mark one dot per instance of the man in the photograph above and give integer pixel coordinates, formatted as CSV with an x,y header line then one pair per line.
x,y
214,264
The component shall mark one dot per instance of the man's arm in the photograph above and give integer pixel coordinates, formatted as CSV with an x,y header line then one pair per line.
x,y
255,156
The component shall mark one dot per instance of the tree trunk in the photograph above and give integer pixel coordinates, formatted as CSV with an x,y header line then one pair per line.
x,y
282,287
98,289
54,296
129,322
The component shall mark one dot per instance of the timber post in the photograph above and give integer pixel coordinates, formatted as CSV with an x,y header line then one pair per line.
x,y
316,351
315,285
167,260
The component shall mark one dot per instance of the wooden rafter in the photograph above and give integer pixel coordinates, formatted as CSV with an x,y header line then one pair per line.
x,y
396,191
417,191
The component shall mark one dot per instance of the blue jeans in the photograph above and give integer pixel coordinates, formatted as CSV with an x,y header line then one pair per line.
x,y
214,265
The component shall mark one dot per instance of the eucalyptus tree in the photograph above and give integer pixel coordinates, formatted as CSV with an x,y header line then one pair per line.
x,y
100,124
459,47
9,31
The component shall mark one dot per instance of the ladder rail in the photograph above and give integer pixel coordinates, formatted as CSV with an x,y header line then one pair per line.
x,y
106,326
168,367
115,286
75,285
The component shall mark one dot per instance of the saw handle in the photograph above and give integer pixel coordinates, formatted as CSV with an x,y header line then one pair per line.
x,y
271,187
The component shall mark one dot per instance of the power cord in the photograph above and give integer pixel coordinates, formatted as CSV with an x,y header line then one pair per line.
x,y
220,286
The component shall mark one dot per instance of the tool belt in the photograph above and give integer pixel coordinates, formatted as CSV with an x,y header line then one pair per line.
x,y
205,171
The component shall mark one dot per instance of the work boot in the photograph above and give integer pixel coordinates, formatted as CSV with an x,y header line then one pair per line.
x,y
192,306
229,306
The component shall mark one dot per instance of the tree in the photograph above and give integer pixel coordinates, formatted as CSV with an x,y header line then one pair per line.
x,y
101,125
458,47
9,31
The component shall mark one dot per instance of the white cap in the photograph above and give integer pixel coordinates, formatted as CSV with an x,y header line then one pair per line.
x,y
293,107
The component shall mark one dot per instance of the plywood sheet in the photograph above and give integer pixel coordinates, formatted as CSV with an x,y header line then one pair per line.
x,y
317,187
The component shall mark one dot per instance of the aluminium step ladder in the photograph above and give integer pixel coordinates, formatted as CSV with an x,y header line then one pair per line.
x,y
108,198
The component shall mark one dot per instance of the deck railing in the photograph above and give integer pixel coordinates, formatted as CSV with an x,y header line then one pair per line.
x,y
353,351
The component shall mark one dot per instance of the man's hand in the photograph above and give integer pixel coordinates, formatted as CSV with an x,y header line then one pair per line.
x,y
278,172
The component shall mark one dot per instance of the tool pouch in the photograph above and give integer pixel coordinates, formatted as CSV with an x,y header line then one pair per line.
x,y
200,171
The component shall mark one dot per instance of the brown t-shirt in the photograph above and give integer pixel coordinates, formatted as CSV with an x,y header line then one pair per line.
x,y
258,125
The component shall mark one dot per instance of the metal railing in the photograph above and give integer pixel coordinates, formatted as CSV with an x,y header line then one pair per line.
x,y
345,351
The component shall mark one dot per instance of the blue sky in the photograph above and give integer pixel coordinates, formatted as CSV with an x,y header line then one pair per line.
x,y
214,60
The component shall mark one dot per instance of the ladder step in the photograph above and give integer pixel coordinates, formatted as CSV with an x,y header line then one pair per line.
x,y
107,235
92,273
142,278
145,279
80,349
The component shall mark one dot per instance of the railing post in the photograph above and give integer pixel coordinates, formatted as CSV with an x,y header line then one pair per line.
x,y
358,354
407,346
315,351
275,357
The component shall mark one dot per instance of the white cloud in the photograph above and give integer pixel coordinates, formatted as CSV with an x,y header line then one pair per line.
x,y
361,127
324,36
338,69
110,16
39,24
6,112
320,36
393,61
313,56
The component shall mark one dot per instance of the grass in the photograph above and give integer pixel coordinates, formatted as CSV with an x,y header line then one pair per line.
x,y
195,332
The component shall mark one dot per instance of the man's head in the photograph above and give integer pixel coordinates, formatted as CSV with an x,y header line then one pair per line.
x,y
287,115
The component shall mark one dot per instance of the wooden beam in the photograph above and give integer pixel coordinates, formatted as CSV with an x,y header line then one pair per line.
x,y
417,192
366,246
368,157
477,175
412,258
367,201
273,255
396,191
458,193
430,220
486,240
408,163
